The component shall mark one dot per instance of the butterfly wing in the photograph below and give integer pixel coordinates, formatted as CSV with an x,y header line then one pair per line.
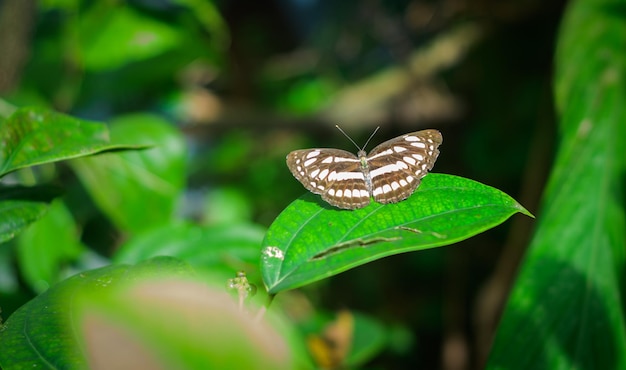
x,y
397,166
334,174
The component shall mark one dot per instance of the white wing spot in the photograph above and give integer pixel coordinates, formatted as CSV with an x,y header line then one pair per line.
x,y
331,192
381,154
402,165
341,176
403,183
339,193
321,187
409,179
344,159
313,154
409,160
386,188
323,174
364,194
328,160
347,193
419,145
399,149
412,138
315,172
395,185
378,190
419,157
388,168
309,162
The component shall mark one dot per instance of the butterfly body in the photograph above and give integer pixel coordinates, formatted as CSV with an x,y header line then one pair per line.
x,y
389,173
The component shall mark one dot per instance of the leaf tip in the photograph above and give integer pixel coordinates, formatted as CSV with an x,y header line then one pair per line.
x,y
523,210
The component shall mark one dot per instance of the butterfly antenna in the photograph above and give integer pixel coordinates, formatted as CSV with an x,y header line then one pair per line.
x,y
371,136
349,138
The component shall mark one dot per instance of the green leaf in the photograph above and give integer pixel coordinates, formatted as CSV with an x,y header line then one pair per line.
x,y
44,248
157,309
227,248
311,240
208,15
368,340
32,136
115,35
566,310
20,206
180,325
41,333
138,190
226,206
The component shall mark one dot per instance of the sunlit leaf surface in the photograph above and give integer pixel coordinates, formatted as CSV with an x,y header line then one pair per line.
x,y
311,240
566,310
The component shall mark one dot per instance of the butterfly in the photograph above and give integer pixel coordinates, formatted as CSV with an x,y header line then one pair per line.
x,y
390,173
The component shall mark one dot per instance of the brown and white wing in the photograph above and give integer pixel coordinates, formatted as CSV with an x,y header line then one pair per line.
x,y
397,166
334,174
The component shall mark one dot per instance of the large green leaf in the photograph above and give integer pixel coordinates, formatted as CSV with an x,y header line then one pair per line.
x,y
32,136
153,313
566,310
41,333
311,240
20,206
138,190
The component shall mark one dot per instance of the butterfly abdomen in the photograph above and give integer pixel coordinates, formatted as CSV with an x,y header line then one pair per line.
x,y
366,171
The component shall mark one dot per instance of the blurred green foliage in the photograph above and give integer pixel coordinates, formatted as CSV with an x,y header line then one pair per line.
x,y
211,96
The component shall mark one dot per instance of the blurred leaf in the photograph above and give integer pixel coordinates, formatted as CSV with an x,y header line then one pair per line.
x,y
226,205
153,314
179,325
8,274
566,310
208,14
138,190
310,240
41,333
368,340
306,96
116,35
20,206
225,248
68,5
33,136
45,246
232,152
